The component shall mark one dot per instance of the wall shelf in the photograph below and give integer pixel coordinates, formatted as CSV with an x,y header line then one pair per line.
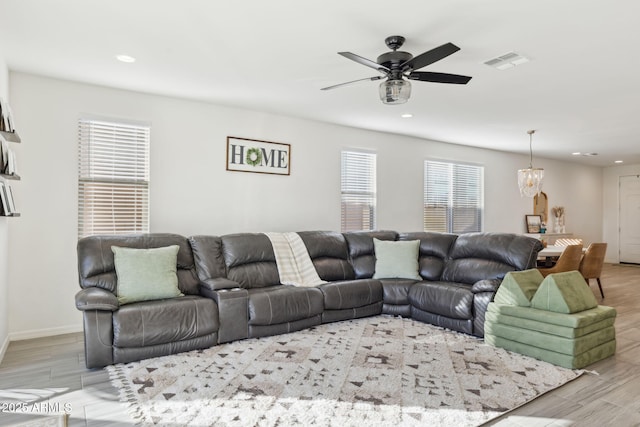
x,y
14,177
10,136
7,204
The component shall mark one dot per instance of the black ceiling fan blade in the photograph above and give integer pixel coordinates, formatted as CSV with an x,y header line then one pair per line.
x,y
353,81
364,61
430,56
426,76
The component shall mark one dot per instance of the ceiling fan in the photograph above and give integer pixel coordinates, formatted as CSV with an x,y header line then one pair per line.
x,y
397,64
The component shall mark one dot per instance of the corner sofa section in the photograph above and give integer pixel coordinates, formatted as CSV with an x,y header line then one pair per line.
x,y
460,274
232,288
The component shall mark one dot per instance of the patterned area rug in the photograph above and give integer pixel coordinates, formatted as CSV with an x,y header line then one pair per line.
x,y
378,371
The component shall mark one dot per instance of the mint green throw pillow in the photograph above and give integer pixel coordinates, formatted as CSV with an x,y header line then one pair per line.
x,y
146,274
564,293
396,260
518,287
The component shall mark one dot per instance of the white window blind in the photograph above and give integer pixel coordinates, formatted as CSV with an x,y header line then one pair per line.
x,y
113,178
453,197
358,191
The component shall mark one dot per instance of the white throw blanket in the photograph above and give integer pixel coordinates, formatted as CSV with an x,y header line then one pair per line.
x,y
294,263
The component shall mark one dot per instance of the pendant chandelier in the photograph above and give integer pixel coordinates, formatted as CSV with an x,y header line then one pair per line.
x,y
530,179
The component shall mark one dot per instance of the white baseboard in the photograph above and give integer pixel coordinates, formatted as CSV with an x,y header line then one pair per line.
x,y
41,333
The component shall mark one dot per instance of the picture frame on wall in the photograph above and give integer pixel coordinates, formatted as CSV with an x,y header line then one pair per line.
x,y
533,222
252,155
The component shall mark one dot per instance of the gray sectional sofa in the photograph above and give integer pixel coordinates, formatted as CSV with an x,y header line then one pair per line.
x,y
231,288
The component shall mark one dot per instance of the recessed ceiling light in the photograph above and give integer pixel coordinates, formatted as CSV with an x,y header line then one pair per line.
x,y
577,153
407,116
125,58
618,161
590,154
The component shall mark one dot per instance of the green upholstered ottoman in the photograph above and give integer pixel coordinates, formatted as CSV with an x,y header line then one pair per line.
x,y
565,360
556,319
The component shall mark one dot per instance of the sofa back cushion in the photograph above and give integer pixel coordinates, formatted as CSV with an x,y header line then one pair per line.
x,y
250,260
362,252
478,256
329,253
207,254
96,265
434,251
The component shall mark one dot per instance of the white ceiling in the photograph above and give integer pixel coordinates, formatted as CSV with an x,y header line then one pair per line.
x,y
581,90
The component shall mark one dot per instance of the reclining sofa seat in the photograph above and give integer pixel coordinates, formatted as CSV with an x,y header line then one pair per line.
x,y
117,333
471,275
239,271
345,296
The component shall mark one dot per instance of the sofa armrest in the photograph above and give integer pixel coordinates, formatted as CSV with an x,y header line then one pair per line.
x,y
209,286
484,291
486,285
233,312
96,299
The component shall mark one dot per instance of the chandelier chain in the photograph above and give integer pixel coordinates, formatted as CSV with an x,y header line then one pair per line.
x,y
531,132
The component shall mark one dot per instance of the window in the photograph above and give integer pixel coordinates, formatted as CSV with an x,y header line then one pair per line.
x,y
358,191
453,199
113,178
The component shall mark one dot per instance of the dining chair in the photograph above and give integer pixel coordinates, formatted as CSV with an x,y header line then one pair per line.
x,y
592,262
569,260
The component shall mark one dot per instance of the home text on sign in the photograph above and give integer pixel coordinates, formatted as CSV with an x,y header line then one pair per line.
x,y
249,155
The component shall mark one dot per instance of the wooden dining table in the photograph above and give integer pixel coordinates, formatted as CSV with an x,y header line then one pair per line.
x,y
551,251
550,254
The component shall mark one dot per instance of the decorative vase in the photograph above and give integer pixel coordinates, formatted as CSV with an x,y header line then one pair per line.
x,y
556,225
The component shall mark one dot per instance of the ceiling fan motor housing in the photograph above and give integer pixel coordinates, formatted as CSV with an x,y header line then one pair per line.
x,y
393,61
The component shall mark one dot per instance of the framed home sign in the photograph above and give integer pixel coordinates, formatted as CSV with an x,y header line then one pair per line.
x,y
252,155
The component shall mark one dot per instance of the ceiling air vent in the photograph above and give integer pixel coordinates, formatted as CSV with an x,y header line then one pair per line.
x,y
508,60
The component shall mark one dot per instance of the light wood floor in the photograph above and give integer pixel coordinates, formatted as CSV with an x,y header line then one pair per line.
x,y
51,370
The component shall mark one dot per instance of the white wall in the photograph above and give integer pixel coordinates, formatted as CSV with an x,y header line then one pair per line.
x,y
611,204
4,240
192,193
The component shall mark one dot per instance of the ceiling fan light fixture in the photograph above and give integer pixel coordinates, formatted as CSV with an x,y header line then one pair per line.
x,y
395,91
